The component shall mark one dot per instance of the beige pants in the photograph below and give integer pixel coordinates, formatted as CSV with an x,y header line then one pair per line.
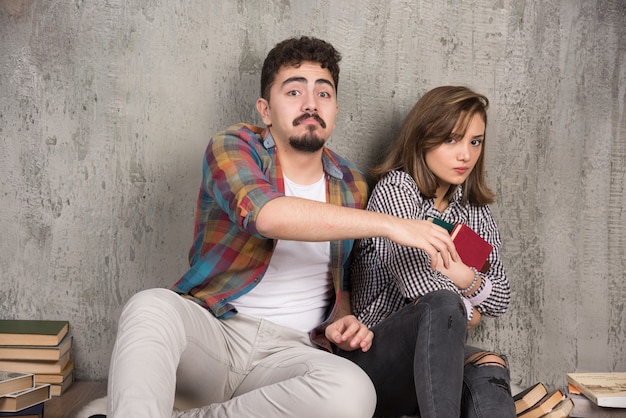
x,y
237,367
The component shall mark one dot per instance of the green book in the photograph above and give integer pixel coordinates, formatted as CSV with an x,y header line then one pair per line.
x,y
448,226
32,332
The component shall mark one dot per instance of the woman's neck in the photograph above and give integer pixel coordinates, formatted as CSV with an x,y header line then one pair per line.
x,y
441,202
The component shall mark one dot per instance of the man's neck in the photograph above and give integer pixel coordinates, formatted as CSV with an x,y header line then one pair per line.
x,y
301,167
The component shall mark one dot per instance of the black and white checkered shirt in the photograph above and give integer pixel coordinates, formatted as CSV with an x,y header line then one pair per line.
x,y
387,276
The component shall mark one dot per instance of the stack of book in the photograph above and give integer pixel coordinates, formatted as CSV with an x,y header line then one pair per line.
x,y
38,347
20,396
538,402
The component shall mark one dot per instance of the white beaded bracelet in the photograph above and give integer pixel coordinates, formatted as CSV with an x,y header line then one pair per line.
x,y
473,281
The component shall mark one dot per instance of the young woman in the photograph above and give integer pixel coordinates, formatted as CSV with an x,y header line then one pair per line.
x,y
419,361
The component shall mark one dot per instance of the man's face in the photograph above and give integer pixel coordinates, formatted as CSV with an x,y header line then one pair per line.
x,y
302,108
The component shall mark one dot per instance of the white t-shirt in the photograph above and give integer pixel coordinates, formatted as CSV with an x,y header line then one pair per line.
x,y
297,287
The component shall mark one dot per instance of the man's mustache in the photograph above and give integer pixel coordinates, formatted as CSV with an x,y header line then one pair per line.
x,y
297,121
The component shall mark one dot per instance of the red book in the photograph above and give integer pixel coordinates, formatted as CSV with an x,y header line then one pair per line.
x,y
472,248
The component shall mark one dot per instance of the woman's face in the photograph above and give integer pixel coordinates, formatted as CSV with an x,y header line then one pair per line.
x,y
453,160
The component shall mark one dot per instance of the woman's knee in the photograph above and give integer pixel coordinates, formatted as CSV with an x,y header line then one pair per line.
x,y
487,358
444,303
487,388
489,368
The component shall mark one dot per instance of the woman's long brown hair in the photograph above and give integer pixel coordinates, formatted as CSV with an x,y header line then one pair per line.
x,y
428,125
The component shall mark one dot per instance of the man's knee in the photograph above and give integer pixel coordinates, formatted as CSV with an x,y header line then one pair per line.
x,y
152,308
353,394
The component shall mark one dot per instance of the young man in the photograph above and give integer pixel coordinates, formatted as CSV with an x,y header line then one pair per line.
x,y
243,332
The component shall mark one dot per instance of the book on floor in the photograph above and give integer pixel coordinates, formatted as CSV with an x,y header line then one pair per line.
x,y
35,411
603,389
529,397
58,378
472,248
585,408
26,398
13,381
562,410
32,332
36,352
36,366
58,389
545,405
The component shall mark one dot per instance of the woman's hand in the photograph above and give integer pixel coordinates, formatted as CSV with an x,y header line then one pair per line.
x,y
460,274
475,319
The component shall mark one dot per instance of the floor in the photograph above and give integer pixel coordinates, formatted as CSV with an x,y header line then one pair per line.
x,y
81,393
74,398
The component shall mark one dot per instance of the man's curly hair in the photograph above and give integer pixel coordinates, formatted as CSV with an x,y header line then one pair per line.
x,y
293,52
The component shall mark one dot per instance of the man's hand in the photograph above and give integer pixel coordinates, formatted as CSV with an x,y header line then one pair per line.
x,y
349,334
428,236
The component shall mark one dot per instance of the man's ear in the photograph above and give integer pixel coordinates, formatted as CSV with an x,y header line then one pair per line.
x,y
263,107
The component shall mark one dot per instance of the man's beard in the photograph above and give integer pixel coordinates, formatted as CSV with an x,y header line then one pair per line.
x,y
308,142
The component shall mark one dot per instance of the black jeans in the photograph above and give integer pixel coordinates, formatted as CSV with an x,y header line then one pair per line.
x,y
416,363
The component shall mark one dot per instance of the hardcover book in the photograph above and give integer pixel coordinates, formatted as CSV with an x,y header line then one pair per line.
x,y
529,397
472,248
58,378
36,366
12,381
32,332
604,389
585,408
36,352
60,388
26,398
35,411
562,410
545,405
446,225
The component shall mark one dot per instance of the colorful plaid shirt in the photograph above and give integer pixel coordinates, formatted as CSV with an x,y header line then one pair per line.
x,y
241,173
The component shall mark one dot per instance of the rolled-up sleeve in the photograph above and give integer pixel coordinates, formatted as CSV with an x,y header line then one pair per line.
x,y
237,177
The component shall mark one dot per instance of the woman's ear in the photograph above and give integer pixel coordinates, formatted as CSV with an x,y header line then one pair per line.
x,y
263,107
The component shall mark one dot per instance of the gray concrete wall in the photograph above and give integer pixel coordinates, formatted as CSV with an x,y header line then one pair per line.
x,y
106,107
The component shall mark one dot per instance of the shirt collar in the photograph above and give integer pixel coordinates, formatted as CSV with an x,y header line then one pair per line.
x,y
458,194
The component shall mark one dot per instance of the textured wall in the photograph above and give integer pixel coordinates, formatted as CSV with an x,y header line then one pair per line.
x,y
106,107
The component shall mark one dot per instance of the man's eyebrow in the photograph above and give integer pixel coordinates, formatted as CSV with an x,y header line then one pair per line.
x,y
297,79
